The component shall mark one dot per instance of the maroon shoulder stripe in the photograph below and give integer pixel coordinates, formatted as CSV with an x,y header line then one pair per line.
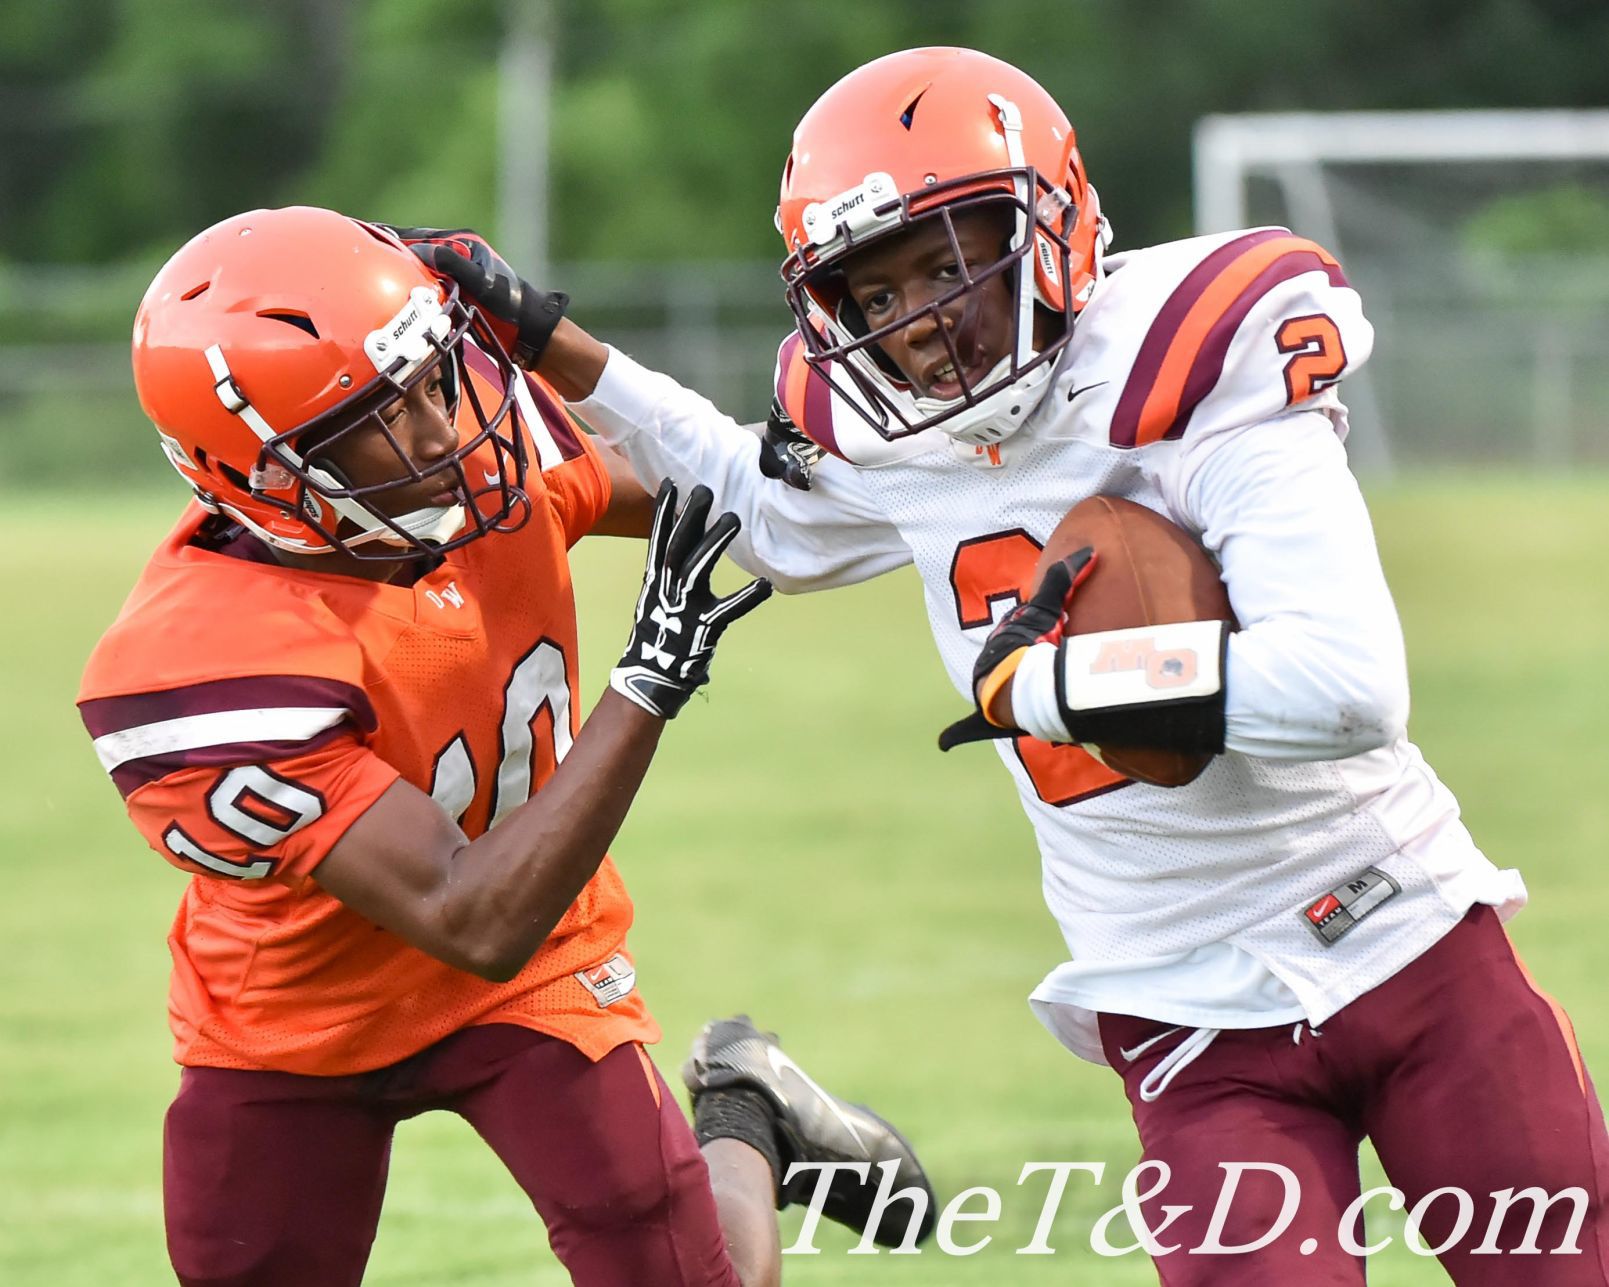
x,y
818,426
785,355
103,715
1207,363
805,394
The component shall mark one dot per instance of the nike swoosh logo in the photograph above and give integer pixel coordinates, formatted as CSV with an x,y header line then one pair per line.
x,y
1129,1056
1073,393
780,1063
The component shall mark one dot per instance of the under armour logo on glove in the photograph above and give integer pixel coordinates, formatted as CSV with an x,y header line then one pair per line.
x,y
665,622
665,662
654,655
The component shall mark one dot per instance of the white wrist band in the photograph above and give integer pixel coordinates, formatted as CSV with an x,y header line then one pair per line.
x,y
1033,695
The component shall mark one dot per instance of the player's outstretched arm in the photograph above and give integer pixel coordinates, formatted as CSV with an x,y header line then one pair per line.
x,y
487,905
833,535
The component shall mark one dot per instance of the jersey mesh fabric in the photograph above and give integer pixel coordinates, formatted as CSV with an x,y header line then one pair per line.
x,y
272,972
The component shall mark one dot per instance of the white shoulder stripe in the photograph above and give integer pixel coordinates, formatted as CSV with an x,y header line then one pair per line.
x,y
220,728
547,451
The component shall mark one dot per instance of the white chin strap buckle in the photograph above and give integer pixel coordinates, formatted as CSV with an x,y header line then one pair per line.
x,y
434,526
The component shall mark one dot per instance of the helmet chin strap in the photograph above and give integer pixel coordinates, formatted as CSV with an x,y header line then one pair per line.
x,y
995,418
1011,129
263,534
430,524
434,525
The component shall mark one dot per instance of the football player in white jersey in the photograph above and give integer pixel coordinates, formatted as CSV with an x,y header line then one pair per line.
x,y
1303,946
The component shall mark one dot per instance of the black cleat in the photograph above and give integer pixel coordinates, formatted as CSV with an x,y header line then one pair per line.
x,y
814,1126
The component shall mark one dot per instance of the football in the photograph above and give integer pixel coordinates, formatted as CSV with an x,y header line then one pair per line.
x,y
1148,571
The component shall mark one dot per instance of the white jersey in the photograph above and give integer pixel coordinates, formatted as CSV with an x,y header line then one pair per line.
x,y
1319,854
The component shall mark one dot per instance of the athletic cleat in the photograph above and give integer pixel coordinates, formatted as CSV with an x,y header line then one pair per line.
x,y
814,1126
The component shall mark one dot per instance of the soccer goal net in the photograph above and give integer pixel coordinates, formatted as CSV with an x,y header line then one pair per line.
x,y
1480,243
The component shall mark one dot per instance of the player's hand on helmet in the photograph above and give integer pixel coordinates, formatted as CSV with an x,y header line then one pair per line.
x,y
522,316
1037,619
679,618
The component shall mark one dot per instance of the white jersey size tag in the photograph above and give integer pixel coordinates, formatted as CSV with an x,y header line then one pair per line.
x,y
610,981
1142,665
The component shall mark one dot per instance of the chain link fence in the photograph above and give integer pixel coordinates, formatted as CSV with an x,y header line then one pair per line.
x,y
69,417
1482,358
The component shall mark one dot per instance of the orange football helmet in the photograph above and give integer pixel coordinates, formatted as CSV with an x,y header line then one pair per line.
x,y
919,135
275,333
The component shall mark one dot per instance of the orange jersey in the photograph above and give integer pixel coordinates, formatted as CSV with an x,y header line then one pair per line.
x,y
250,712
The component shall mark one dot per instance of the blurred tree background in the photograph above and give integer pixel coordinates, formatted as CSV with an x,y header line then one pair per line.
x,y
132,124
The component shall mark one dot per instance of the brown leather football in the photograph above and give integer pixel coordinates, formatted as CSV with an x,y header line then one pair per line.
x,y
1148,572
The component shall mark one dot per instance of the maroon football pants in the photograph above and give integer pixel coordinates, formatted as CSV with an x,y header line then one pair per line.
x,y
276,1180
1460,1071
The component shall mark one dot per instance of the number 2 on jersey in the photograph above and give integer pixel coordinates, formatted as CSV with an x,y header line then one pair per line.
x,y
1320,357
985,571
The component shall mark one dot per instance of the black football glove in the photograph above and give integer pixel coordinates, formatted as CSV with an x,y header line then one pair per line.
x,y
679,618
786,453
1037,619
521,316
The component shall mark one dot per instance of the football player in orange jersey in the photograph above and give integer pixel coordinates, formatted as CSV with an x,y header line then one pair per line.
x,y
343,698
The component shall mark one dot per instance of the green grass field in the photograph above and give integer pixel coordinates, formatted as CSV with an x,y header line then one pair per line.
x,y
802,851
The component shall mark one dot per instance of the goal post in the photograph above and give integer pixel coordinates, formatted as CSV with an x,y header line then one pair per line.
x,y
1480,241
